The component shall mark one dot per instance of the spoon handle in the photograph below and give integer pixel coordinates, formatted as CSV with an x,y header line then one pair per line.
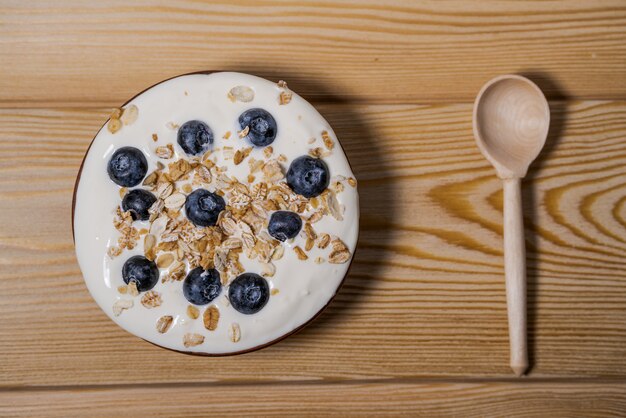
x,y
515,274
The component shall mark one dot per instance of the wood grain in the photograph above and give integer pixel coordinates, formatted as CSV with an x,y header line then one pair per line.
x,y
70,51
426,293
553,399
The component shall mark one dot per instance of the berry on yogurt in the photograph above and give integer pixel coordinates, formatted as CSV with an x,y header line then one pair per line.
x,y
284,225
308,176
127,166
138,202
202,286
143,272
195,137
203,207
249,293
262,126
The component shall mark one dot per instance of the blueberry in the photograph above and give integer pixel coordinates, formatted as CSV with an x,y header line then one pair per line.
x,y
142,271
138,202
262,126
308,176
127,166
249,293
203,207
284,225
202,286
195,137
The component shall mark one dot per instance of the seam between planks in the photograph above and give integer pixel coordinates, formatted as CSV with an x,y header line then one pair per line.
x,y
19,104
339,382
96,105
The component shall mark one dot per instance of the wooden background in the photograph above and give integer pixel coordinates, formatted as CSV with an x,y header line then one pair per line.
x,y
420,326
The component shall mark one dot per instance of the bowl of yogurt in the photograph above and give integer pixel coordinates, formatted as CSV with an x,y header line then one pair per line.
x,y
215,214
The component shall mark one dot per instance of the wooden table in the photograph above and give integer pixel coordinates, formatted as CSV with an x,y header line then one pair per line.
x,y
420,326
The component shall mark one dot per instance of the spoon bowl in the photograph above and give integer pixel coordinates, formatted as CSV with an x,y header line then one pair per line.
x,y
511,120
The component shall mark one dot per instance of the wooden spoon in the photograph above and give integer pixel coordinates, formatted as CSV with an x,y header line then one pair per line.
x,y
511,119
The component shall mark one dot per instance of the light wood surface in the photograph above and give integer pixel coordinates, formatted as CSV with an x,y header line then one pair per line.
x,y
553,399
69,51
420,327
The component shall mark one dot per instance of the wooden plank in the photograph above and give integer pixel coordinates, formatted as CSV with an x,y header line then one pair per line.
x,y
554,399
68,51
425,296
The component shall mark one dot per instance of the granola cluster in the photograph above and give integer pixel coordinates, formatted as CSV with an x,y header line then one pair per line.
x,y
122,117
178,245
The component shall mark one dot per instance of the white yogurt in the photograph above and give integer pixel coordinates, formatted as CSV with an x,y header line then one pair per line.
x,y
305,287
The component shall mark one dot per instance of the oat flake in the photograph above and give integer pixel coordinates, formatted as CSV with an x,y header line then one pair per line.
x,y
164,323
241,93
